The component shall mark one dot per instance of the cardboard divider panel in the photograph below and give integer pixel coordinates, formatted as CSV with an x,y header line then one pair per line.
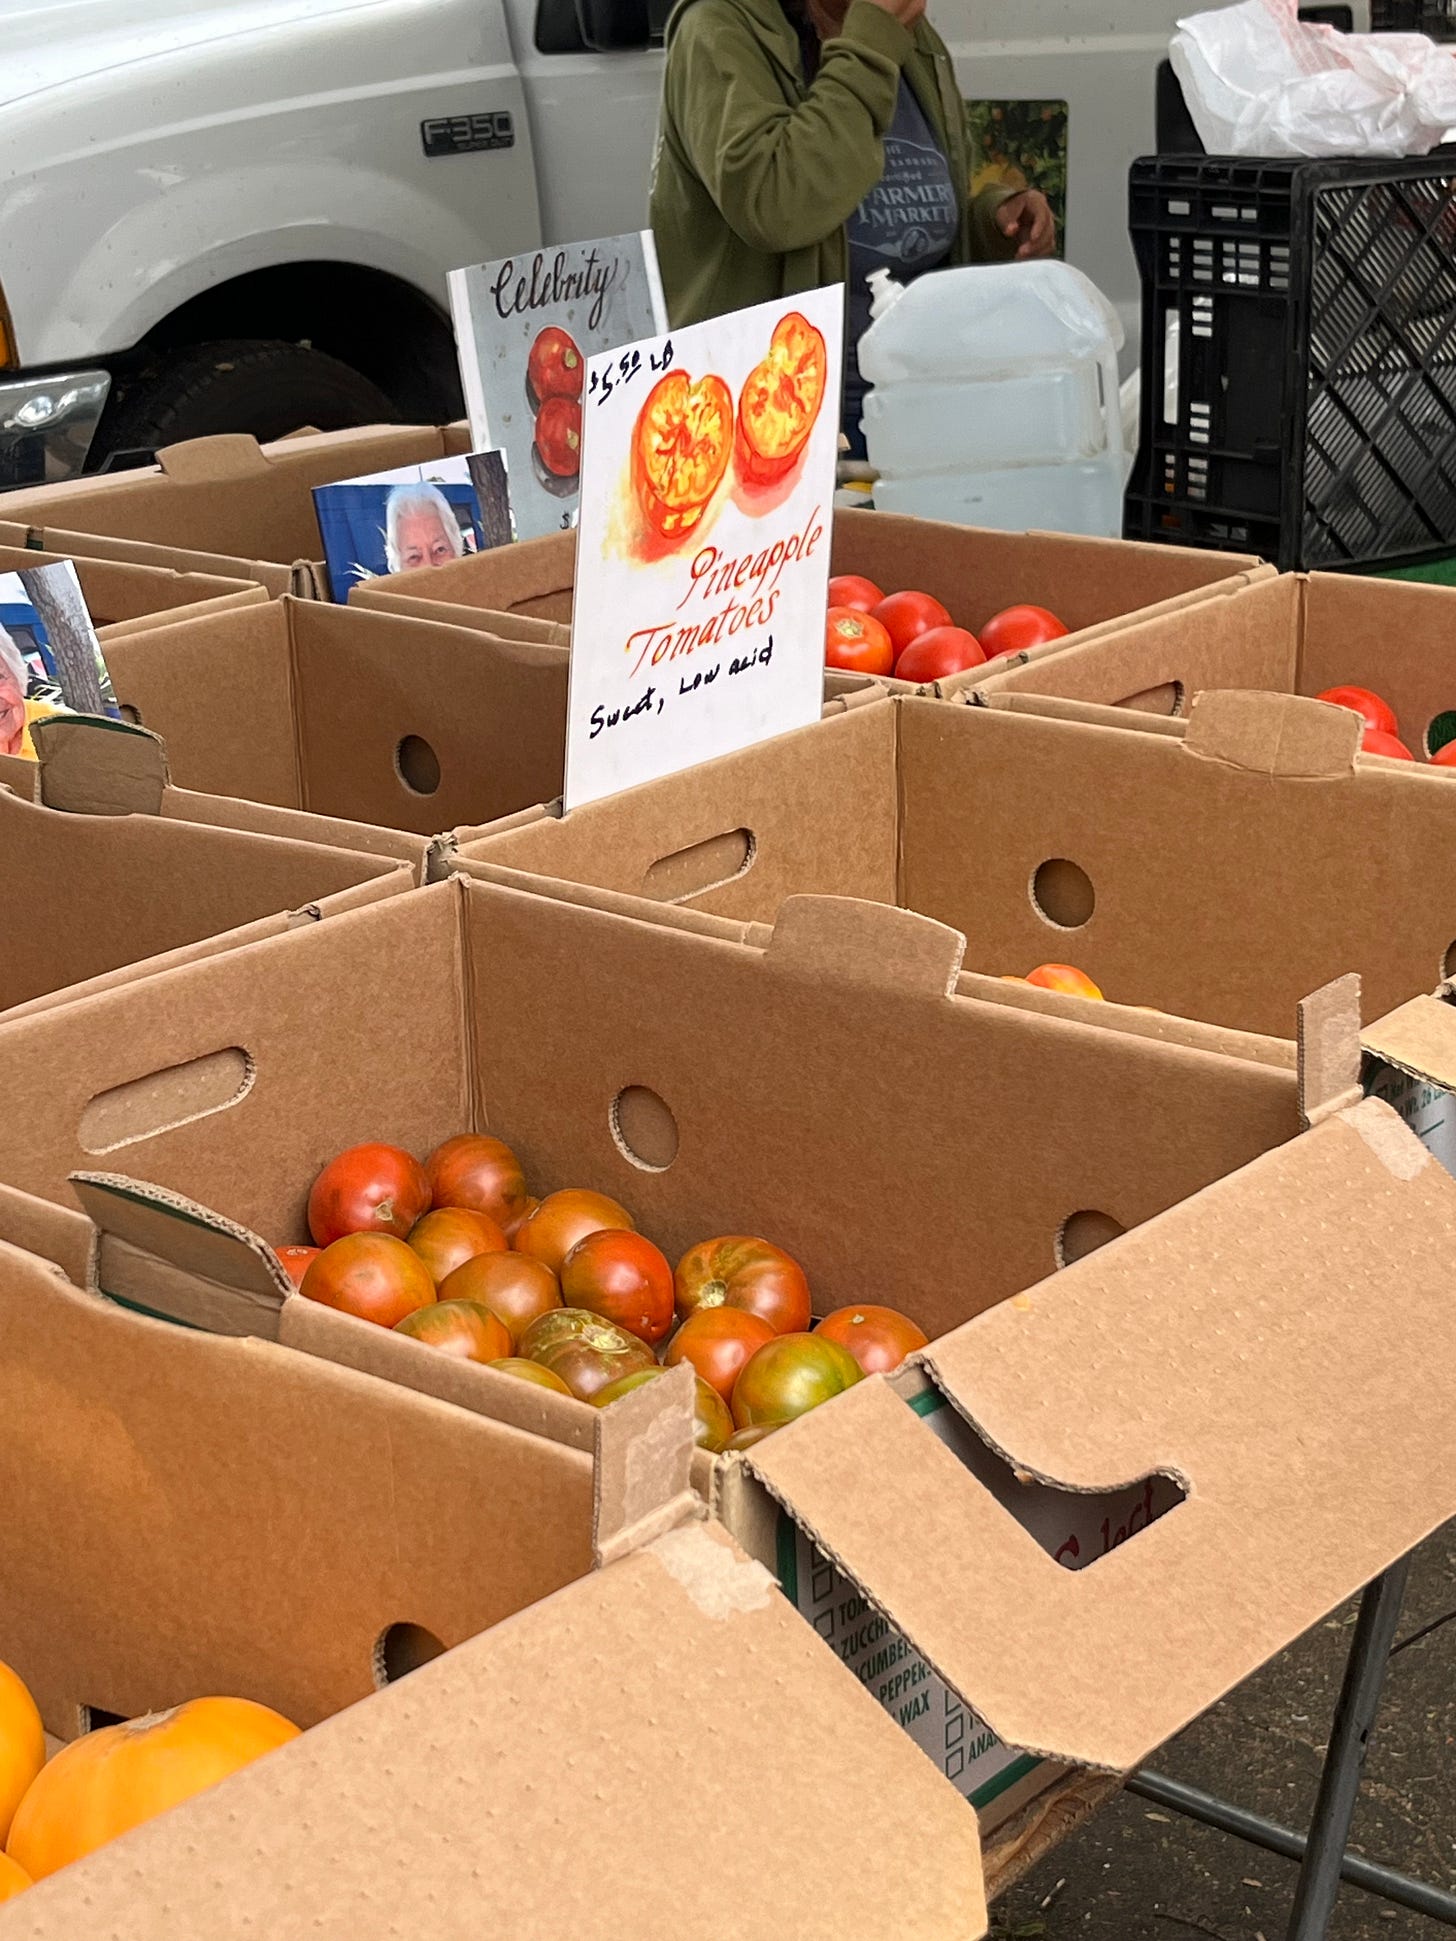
x,y
93,896
1313,1448
121,598
188,1515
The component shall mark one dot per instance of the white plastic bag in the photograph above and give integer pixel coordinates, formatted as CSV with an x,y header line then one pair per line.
x,y
1260,81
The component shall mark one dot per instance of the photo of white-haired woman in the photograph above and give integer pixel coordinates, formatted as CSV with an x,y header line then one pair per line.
x,y
420,528
16,713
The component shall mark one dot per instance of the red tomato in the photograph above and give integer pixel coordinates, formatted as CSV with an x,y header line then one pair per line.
x,y
584,1350
780,402
622,1277
463,1329
1445,755
1372,710
1375,741
937,652
530,1371
1016,628
856,642
740,1272
368,1189
478,1172
1063,977
712,1424
558,436
562,1219
850,590
681,445
718,1341
790,1376
516,1289
371,1275
555,367
879,1338
905,616
451,1235
295,1261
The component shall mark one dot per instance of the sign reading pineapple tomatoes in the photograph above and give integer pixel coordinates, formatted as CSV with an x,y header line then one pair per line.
x,y
708,459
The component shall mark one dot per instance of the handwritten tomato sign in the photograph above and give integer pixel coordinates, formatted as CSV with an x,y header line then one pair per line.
x,y
708,462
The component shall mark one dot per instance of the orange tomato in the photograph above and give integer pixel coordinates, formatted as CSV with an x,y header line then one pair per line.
x,y
514,1287
718,1341
112,1780
856,642
566,1217
463,1329
22,1744
681,445
622,1277
295,1261
1063,977
371,1275
780,402
531,1371
479,1172
449,1236
13,1878
368,1189
879,1338
789,1376
513,1226
740,1272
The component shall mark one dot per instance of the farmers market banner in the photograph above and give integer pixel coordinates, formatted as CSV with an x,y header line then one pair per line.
x,y
526,326
708,464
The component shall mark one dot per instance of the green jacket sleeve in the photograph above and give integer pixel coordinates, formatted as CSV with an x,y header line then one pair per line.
x,y
988,244
785,176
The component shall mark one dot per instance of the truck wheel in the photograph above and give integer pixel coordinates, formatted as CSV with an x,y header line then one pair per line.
x,y
269,389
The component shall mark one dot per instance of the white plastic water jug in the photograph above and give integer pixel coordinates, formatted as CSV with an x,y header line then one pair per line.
x,y
995,398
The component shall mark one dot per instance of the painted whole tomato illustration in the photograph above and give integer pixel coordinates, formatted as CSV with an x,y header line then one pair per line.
x,y
780,403
554,368
681,445
558,437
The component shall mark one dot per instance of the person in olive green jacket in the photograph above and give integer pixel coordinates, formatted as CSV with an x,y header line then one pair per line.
x,y
807,142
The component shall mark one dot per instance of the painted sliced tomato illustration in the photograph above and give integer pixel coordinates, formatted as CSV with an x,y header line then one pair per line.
x,y
680,450
781,401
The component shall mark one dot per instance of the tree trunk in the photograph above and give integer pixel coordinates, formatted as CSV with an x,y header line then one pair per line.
x,y
488,476
55,593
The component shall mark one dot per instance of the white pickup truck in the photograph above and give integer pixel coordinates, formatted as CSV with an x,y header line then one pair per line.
x,y
221,215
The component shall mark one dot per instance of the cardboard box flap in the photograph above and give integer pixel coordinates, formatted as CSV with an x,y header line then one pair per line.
x,y
1419,1039
557,1733
90,765
216,460
1251,1343
1273,734
847,940
169,1256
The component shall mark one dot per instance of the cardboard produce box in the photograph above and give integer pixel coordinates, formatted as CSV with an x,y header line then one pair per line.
x,y
698,1075
556,1733
248,506
1218,867
124,597
362,716
1087,583
1298,634
108,894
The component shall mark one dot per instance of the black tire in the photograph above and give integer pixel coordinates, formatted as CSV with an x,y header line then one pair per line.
x,y
269,389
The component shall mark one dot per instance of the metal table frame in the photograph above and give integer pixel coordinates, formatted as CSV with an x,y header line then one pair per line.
x,y
1323,1853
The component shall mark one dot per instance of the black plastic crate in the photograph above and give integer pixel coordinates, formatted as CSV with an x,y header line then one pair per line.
x,y
1307,312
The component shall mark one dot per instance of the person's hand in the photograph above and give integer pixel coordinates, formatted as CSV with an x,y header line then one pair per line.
x,y
1027,218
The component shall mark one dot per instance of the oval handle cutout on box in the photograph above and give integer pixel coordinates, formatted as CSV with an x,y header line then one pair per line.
x,y
1062,893
1167,698
702,866
1083,1233
164,1100
417,765
644,1128
401,1649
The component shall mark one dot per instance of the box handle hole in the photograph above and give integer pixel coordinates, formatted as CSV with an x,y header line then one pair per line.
x,y
702,866
644,1129
1083,1233
418,765
1440,730
401,1649
1062,894
1164,699
164,1100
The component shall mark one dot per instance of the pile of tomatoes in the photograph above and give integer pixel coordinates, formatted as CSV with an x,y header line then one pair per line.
x,y
1381,732
911,635
105,1783
563,1291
